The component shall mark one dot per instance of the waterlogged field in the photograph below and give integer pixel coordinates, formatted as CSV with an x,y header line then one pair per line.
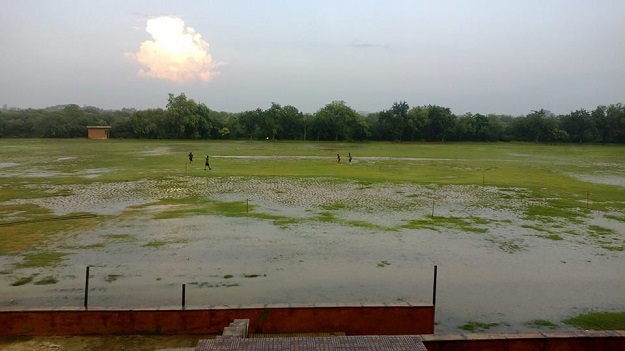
x,y
525,236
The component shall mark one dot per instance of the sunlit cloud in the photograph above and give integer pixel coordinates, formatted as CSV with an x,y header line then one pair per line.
x,y
175,52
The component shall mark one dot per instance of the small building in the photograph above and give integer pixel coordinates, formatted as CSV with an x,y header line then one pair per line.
x,y
98,132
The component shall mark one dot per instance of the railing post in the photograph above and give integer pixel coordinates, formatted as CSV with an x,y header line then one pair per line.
x,y
183,295
434,287
86,302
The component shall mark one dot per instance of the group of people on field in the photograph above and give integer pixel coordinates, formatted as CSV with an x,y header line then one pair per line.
x,y
208,166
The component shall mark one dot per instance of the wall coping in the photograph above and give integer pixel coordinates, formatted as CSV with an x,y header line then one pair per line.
x,y
210,307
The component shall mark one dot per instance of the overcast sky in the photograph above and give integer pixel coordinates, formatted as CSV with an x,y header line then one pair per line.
x,y
507,57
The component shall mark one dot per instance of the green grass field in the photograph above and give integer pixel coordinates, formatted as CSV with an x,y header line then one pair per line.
x,y
557,175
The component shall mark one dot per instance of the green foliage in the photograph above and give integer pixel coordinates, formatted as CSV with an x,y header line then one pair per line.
x,y
185,118
598,321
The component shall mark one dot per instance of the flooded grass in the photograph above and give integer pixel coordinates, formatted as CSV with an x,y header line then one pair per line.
x,y
541,324
439,223
47,281
155,244
475,326
43,259
598,321
318,231
23,281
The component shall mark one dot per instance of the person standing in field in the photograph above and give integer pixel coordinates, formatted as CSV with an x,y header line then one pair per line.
x,y
206,164
338,158
191,157
349,157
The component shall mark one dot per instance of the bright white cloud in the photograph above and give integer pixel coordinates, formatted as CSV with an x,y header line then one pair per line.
x,y
175,53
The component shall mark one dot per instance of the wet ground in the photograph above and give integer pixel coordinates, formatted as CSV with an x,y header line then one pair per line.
x,y
344,242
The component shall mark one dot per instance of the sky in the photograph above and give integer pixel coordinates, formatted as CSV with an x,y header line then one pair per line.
x,y
478,56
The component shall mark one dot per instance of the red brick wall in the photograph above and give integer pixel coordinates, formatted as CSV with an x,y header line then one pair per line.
x,y
353,320
547,341
97,133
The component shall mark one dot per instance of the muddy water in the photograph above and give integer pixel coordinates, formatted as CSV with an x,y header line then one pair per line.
x,y
141,261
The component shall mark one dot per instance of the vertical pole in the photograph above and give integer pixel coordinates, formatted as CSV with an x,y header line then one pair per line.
x,y
432,207
86,302
247,205
184,302
434,287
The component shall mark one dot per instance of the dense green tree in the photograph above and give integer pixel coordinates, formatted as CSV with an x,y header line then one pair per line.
x,y
418,120
185,119
441,123
580,126
340,121
396,119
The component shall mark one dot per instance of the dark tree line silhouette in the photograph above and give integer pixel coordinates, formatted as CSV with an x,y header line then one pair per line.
x,y
183,118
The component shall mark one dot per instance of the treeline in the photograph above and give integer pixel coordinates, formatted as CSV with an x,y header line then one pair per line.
x,y
184,118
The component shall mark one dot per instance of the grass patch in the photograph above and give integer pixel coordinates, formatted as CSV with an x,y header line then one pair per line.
x,y
198,205
112,277
383,264
155,244
596,231
473,326
47,281
437,223
598,321
535,227
40,227
228,276
120,237
285,222
23,281
86,247
253,275
546,214
615,217
509,246
42,259
541,324
554,236
211,285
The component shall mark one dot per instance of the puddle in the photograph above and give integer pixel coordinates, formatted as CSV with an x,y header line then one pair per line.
x,y
601,179
8,164
156,151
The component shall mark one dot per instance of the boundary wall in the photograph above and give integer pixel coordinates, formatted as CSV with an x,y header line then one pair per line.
x,y
357,319
609,340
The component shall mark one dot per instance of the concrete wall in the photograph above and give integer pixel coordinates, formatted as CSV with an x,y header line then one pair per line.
x,y
395,319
